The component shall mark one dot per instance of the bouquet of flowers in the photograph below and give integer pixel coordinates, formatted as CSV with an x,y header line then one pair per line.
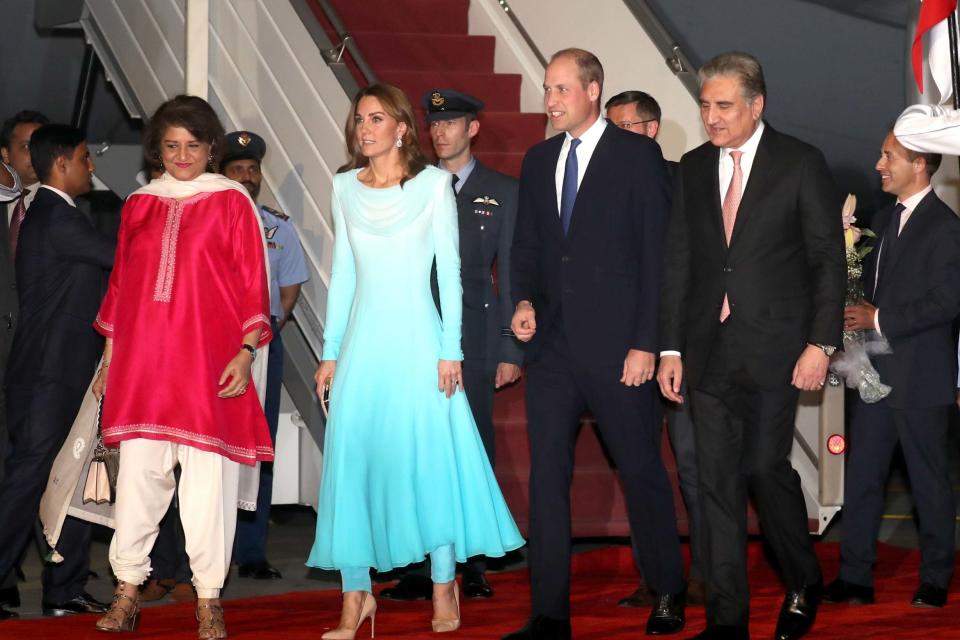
x,y
853,363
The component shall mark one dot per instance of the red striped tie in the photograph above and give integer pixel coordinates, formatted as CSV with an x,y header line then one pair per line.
x,y
19,213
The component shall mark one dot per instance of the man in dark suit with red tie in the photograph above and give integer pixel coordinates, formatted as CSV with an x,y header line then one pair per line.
x,y
751,310
586,271
912,283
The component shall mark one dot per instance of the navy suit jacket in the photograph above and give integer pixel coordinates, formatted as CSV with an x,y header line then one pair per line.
x,y
918,295
61,267
598,283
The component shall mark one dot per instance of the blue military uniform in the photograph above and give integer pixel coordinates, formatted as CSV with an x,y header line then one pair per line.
x,y
287,268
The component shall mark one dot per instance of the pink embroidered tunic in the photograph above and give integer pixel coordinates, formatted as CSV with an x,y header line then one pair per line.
x,y
188,283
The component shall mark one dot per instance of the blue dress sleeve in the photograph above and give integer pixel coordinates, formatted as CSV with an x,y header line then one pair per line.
x,y
343,283
446,242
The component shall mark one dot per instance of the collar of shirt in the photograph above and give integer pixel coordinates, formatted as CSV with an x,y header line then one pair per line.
x,y
910,204
749,149
463,174
588,144
60,193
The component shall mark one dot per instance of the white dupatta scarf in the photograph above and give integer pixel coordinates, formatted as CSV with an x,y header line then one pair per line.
x,y
167,186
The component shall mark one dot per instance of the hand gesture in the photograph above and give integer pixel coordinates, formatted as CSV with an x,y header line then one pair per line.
x,y
638,368
237,372
670,377
524,322
810,372
449,376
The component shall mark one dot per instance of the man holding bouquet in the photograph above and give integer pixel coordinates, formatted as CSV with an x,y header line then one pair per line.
x,y
912,288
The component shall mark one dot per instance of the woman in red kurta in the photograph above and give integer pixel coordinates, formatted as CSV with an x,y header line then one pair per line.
x,y
184,315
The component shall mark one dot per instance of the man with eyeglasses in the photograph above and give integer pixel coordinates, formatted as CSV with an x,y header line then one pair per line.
x,y
638,112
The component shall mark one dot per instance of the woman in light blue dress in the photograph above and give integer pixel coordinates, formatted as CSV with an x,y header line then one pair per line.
x,y
405,473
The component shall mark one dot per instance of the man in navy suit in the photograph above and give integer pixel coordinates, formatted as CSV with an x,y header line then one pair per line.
x,y
912,285
594,202
61,268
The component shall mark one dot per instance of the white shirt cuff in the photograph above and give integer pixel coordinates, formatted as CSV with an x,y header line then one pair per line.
x,y
669,353
876,322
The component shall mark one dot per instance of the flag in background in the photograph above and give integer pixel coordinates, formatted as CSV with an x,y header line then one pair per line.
x,y
933,20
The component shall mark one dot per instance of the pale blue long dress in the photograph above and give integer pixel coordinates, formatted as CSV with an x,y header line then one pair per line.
x,y
404,470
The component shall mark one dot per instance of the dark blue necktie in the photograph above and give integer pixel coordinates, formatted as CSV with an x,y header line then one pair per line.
x,y
890,236
568,192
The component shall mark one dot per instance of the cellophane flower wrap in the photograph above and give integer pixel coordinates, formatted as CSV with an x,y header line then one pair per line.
x,y
853,363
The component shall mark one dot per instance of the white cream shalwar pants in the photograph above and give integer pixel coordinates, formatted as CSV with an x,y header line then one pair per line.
x,y
208,510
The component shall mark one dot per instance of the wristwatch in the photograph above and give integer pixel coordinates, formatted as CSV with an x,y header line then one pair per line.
x,y
827,349
249,349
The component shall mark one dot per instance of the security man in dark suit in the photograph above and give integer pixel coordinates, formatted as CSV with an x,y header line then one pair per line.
x,y
912,285
61,269
487,207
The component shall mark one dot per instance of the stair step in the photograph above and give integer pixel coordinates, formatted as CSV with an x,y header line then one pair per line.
x,y
404,16
499,130
500,91
426,51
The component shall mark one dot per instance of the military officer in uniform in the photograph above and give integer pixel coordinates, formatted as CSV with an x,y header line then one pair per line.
x,y
487,207
243,153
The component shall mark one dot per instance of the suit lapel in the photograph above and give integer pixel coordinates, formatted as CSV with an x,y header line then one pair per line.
x,y
759,172
911,231
591,178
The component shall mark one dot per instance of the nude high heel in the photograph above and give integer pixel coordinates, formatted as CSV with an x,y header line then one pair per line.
x,y
368,609
444,625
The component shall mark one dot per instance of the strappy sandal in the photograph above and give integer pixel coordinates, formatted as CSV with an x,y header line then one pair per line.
x,y
118,618
210,619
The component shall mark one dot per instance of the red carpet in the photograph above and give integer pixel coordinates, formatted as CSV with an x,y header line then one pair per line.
x,y
421,45
600,579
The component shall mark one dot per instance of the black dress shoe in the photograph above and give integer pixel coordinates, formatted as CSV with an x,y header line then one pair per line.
x,y
410,587
475,585
929,596
83,603
10,597
6,614
668,615
259,571
723,632
840,591
798,612
642,598
542,628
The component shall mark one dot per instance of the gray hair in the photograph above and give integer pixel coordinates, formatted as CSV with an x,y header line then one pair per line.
x,y
742,65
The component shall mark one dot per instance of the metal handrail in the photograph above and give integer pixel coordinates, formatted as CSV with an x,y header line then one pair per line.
x,y
674,56
523,32
331,52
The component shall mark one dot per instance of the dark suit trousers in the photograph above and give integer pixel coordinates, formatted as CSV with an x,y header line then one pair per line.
x,y
874,434
744,434
684,442
558,391
40,417
250,545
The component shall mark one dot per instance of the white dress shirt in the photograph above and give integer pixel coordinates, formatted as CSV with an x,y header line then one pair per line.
x,y
725,169
588,143
908,206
